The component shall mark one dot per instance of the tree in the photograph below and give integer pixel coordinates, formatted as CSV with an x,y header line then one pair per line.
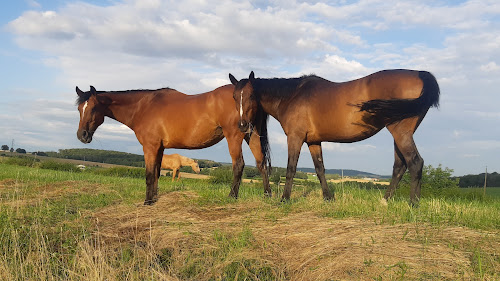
x,y
5,147
251,172
20,150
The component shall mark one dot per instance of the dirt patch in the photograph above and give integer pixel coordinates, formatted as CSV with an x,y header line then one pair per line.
x,y
7,183
52,190
300,246
184,175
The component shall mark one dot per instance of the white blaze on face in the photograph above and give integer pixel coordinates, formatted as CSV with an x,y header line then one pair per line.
x,y
84,107
241,104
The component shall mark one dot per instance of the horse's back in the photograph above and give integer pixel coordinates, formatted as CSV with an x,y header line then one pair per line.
x,y
331,111
170,161
190,121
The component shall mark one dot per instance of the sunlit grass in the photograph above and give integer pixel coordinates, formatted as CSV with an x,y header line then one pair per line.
x,y
47,230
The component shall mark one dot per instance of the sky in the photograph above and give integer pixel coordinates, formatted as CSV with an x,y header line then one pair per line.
x,y
49,47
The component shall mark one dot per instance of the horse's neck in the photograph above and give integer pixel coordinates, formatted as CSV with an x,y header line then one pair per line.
x,y
186,161
270,104
124,107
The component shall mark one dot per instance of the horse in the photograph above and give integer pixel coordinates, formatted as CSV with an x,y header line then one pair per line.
x,y
167,118
312,109
175,161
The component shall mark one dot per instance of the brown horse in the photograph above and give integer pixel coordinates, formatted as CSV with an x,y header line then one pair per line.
x,y
175,161
312,110
166,118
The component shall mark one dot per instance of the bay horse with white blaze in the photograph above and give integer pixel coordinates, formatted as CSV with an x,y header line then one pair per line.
x,y
166,118
311,109
175,161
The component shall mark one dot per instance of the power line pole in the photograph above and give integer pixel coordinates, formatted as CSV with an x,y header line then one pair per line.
x,y
342,180
485,177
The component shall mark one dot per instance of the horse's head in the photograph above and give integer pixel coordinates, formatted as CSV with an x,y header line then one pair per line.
x,y
196,167
92,108
246,101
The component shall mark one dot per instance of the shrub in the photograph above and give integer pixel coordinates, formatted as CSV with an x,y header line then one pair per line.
x,y
58,166
121,172
222,175
22,161
436,182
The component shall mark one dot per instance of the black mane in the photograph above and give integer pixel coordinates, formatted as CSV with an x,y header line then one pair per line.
x,y
281,87
86,95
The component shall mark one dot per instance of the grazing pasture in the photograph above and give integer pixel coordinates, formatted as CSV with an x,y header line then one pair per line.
x,y
84,226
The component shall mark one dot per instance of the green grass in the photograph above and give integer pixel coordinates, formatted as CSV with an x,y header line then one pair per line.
x,y
47,230
490,191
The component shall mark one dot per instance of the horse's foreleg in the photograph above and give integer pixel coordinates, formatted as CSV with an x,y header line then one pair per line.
x,y
234,144
174,172
256,148
317,157
398,171
294,145
152,158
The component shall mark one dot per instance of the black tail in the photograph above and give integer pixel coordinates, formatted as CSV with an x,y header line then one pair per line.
x,y
398,109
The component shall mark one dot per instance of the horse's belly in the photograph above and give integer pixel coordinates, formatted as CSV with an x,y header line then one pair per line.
x,y
344,126
193,139
344,135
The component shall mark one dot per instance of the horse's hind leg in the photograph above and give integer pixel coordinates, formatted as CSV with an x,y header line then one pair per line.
x,y
317,157
403,138
256,148
398,171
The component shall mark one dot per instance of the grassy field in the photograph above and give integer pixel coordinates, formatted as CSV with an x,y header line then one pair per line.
x,y
57,225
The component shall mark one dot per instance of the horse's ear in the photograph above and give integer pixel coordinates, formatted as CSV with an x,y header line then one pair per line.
x,y
92,90
78,91
251,77
233,80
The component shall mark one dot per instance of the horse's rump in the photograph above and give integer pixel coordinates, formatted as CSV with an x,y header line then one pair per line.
x,y
394,110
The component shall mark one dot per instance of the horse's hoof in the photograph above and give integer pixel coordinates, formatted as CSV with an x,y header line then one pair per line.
x,y
383,201
329,198
285,200
150,202
268,194
232,195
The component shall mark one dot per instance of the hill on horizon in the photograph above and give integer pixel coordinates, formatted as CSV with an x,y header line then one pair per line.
x,y
346,172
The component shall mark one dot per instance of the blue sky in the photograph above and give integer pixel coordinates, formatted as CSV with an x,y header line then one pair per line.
x,y
49,47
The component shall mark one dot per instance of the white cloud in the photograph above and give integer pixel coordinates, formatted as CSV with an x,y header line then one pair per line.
x,y
192,46
490,67
33,4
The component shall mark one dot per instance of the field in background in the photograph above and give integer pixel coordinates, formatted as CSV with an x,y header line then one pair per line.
x,y
82,226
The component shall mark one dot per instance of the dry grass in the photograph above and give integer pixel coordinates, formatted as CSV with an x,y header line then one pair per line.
x,y
300,246
59,225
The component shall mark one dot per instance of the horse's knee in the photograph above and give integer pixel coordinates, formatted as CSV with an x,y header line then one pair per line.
x,y
416,165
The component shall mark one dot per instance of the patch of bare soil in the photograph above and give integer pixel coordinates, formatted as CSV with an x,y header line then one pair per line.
x,y
46,191
185,175
299,246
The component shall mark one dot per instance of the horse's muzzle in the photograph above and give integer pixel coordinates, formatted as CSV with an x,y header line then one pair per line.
x,y
243,126
84,136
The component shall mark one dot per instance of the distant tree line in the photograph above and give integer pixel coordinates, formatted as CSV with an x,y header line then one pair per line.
x,y
18,150
492,180
101,156
112,157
